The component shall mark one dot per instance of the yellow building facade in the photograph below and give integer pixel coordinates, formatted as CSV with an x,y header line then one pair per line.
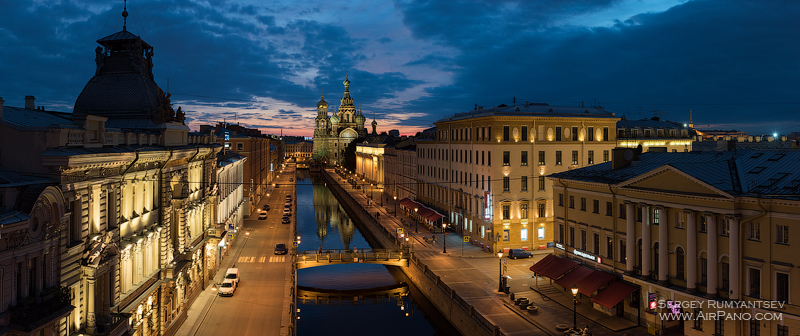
x,y
705,234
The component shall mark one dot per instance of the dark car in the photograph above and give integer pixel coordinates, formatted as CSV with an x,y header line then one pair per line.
x,y
281,249
285,220
266,207
519,253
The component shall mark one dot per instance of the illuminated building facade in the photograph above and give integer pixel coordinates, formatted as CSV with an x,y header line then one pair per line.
x,y
654,134
486,168
120,214
332,134
400,169
710,228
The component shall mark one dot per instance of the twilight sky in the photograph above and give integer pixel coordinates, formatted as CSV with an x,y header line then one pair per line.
x,y
734,63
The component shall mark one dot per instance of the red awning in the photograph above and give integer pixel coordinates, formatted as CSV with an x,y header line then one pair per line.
x,y
574,276
588,285
613,294
557,268
409,203
542,263
434,216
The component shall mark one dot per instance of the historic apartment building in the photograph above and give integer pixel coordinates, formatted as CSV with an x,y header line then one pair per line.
x,y
655,134
486,168
109,233
696,227
298,149
400,173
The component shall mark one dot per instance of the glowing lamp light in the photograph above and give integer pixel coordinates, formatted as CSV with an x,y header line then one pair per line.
x,y
499,254
574,290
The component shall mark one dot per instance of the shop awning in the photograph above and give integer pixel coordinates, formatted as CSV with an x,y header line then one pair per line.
x,y
588,285
574,276
434,216
557,268
542,263
613,294
408,203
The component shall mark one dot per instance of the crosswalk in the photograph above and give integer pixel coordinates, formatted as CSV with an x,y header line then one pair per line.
x,y
263,259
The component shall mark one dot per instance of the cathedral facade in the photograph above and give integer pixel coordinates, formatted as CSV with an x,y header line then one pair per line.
x,y
333,134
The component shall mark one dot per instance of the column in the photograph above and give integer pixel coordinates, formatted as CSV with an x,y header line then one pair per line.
x,y
711,222
691,252
90,302
734,257
663,244
646,244
630,237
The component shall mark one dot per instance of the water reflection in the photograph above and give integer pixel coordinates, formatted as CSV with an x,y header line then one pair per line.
x,y
322,222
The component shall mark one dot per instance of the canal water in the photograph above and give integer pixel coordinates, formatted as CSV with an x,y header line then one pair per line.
x,y
321,221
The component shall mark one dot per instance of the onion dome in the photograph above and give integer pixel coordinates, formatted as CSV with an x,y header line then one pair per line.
x,y
334,119
322,103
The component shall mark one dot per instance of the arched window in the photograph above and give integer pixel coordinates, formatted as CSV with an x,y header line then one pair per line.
x,y
680,263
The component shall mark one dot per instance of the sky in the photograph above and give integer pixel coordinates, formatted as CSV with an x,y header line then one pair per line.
x,y
264,64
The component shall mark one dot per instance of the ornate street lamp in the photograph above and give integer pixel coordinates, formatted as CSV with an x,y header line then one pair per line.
x,y
381,196
500,258
444,242
395,205
574,290
416,221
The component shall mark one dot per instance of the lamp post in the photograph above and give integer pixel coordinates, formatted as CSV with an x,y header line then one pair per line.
x,y
381,196
444,241
416,221
574,290
500,258
395,205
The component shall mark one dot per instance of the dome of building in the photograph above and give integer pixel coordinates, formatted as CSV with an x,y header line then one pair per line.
x,y
334,119
360,119
322,103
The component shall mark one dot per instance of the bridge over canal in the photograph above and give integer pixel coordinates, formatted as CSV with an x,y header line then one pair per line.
x,y
315,258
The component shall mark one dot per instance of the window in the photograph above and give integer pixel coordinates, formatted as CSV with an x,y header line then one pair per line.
x,y
726,228
605,155
755,231
679,263
605,134
523,210
755,283
541,210
506,158
783,330
524,133
583,240
719,326
755,327
655,262
703,224
489,133
489,158
558,133
574,133
541,158
505,235
506,133
596,245
574,157
596,206
609,209
590,159
524,158
560,199
561,233
523,234
483,158
583,203
239,146
506,183
703,271
571,236
572,202
698,321
781,234
623,253
647,133
541,182
506,211
623,214
523,181
725,275
558,158
782,287
656,216
679,220
590,134
609,248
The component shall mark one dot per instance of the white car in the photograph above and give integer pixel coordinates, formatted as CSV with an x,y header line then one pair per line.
x,y
227,288
262,215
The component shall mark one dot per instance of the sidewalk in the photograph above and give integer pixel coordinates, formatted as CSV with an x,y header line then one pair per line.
x,y
474,275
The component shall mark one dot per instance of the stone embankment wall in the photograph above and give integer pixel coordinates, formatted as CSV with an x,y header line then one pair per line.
x,y
461,314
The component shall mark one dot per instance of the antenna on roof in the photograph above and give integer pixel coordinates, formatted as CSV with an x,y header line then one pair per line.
x,y
125,16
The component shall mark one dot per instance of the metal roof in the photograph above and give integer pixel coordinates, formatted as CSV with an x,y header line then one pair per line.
x,y
27,118
533,110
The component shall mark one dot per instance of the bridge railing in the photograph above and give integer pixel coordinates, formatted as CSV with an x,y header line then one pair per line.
x,y
350,255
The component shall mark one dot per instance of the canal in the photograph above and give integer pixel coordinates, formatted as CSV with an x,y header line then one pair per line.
x,y
322,222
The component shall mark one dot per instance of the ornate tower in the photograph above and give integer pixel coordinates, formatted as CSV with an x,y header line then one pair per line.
x,y
322,126
347,111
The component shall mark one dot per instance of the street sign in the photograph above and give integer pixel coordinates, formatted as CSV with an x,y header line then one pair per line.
x,y
399,231
466,239
294,243
505,261
230,226
505,268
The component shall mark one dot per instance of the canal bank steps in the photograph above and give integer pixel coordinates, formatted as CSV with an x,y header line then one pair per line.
x,y
465,295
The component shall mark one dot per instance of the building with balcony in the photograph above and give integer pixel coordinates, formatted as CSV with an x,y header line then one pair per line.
x,y
689,232
485,169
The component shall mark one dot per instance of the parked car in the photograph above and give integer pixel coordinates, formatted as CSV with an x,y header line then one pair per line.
x,y
232,274
262,215
519,253
227,288
291,179
266,207
281,249
285,220
288,197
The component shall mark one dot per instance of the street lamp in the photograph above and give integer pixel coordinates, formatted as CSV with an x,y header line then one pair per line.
x,y
381,196
574,290
395,205
500,258
416,221
444,241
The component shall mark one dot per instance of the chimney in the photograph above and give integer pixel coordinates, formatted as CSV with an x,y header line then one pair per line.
x,y
29,102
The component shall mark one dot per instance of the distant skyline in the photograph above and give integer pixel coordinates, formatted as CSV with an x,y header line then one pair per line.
x,y
734,63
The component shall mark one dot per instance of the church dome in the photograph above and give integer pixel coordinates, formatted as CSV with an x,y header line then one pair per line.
x,y
334,119
360,119
374,123
322,103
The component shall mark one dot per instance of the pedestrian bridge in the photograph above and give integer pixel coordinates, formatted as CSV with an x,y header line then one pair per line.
x,y
306,259
317,296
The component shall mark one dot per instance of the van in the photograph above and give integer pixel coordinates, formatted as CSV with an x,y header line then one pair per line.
x,y
233,274
519,253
